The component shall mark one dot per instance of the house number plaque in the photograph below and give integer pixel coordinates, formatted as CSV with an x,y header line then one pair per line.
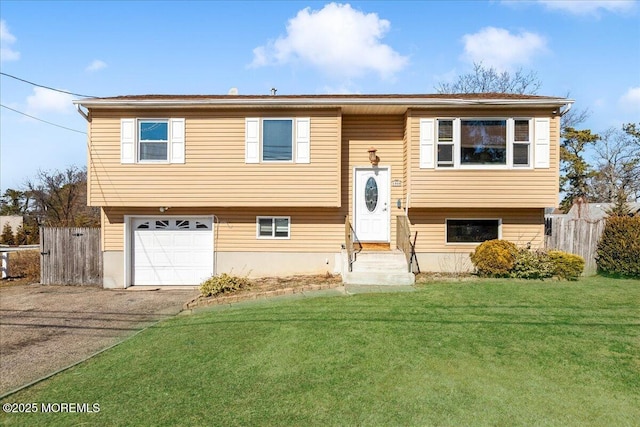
x,y
396,183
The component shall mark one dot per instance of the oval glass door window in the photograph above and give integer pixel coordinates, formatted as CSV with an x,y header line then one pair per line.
x,y
371,194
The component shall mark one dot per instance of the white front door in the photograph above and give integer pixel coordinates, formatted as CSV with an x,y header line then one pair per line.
x,y
371,205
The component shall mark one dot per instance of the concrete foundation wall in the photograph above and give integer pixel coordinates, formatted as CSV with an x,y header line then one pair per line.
x,y
445,262
260,264
113,269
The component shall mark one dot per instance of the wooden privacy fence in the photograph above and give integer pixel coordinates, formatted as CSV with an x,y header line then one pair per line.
x,y
70,256
576,236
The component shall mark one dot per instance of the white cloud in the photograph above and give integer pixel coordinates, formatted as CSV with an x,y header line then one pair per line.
x,y
96,65
497,47
338,40
589,7
345,89
6,40
631,98
49,100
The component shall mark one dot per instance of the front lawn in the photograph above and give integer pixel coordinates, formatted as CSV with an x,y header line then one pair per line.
x,y
490,352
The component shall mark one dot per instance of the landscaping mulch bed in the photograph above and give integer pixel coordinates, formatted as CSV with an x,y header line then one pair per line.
x,y
267,287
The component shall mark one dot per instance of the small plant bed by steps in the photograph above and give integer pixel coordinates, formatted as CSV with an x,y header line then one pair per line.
x,y
266,287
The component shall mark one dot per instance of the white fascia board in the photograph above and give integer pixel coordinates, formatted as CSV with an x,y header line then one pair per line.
x,y
320,102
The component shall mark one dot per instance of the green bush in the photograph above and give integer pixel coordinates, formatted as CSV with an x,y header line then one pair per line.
x,y
565,265
216,285
532,265
619,247
494,258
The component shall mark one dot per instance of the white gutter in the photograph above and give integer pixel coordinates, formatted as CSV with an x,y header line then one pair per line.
x,y
283,101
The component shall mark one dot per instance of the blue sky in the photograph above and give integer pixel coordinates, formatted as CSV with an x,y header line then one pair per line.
x,y
587,49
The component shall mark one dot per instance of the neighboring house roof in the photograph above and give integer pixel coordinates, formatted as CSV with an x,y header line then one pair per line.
x,y
395,103
595,211
14,221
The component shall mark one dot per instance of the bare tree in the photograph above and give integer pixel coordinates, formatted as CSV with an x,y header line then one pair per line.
x,y
617,158
490,80
59,198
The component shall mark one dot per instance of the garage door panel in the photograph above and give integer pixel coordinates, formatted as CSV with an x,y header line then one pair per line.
x,y
170,253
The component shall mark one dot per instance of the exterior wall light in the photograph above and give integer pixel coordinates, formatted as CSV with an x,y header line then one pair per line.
x,y
372,156
163,209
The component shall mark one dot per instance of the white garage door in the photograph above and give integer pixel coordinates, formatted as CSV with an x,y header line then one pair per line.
x,y
172,251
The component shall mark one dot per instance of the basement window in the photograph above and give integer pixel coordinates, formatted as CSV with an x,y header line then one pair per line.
x,y
472,230
273,227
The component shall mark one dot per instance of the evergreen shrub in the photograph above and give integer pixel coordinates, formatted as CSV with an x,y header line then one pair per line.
x,y
565,265
618,251
494,258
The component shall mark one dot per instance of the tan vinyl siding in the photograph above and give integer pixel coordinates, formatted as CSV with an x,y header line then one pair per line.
x,y
504,188
386,133
311,229
215,172
520,226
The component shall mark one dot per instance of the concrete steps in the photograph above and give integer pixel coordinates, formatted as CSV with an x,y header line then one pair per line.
x,y
379,268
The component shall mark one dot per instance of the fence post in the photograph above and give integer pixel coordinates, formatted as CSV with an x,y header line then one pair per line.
x,y
4,256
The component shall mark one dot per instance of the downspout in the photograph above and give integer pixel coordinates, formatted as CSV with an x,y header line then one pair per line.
x,y
83,114
568,106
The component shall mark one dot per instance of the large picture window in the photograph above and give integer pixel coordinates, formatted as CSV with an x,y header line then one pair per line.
x,y
472,230
153,138
483,142
277,140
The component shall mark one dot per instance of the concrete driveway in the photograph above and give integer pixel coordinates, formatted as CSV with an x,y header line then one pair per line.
x,y
46,328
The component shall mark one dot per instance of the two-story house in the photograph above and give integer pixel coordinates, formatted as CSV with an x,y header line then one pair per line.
x,y
271,185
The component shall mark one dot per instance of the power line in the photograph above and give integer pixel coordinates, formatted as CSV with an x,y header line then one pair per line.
x,y
47,87
44,121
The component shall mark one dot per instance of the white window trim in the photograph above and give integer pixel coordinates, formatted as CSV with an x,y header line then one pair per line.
x,y
139,121
510,125
446,230
512,135
300,143
130,140
273,221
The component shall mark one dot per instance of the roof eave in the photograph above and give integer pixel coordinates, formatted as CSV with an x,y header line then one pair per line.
x,y
315,102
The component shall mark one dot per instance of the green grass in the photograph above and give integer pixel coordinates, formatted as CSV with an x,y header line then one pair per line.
x,y
490,352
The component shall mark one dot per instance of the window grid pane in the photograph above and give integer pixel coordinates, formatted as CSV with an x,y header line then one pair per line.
x,y
282,227
265,227
445,155
154,131
445,130
521,131
277,140
521,154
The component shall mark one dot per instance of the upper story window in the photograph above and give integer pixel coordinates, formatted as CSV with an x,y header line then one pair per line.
x,y
445,143
277,140
152,140
478,143
522,143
